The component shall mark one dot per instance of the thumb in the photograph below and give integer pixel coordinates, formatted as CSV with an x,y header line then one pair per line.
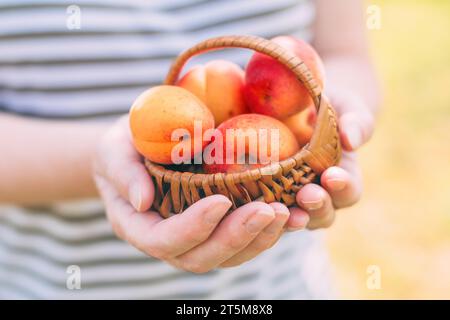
x,y
139,187
122,166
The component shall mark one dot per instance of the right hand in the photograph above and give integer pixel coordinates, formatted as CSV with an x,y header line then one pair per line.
x,y
202,237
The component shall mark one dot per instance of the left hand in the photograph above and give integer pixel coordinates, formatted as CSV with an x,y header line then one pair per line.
x,y
341,186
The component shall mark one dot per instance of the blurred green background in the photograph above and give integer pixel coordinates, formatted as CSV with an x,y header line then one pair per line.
x,y
402,224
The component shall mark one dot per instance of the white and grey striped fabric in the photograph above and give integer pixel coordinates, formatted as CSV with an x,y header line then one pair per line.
x,y
122,48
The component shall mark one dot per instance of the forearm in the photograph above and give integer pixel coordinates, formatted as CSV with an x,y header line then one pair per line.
x,y
355,75
44,161
341,39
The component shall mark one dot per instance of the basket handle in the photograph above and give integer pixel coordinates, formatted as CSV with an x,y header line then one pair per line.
x,y
261,45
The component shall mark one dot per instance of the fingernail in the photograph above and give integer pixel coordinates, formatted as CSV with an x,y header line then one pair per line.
x,y
354,136
336,184
136,197
216,212
313,204
258,221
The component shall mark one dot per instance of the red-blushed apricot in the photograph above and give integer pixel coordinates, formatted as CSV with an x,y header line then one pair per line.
x,y
219,84
302,125
272,89
261,136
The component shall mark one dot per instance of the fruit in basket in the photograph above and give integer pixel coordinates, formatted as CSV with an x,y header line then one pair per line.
x,y
302,124
161,110
272,89
219,84
261,136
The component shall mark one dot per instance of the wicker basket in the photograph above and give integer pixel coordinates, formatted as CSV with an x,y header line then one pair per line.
x,y
177,187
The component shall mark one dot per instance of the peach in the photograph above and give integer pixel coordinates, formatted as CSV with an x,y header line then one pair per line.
x,y
259,141
161,110
302,125
219,84
272,89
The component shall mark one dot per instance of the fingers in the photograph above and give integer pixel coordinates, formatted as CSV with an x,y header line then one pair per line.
x,y
356,120
344,186
119,162
182,232
264,240
341,187
166,238
133,182
234,233
356,128
317,203
128,224
298,219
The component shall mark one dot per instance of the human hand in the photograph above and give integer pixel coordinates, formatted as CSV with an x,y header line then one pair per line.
x,y
203,237
341,185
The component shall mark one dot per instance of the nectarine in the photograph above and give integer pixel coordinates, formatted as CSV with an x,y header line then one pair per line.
x,y
272,89
158,112
302,125
249,141
219,85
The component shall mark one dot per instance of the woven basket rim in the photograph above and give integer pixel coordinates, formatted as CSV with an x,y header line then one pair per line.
x,y
274,169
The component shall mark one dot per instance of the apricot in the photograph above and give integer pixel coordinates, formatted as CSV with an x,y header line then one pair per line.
x,y
302,125
261,137
272,89
219,84
161,110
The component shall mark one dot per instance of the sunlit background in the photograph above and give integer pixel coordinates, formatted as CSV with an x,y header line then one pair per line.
x,y
402,224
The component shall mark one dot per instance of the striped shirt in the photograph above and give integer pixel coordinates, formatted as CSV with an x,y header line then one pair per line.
x,y
90,60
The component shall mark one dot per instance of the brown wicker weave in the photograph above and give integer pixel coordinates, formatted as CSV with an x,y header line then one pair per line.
x,y
176,190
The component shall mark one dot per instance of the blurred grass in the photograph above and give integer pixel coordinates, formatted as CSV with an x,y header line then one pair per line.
x,y
402,224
